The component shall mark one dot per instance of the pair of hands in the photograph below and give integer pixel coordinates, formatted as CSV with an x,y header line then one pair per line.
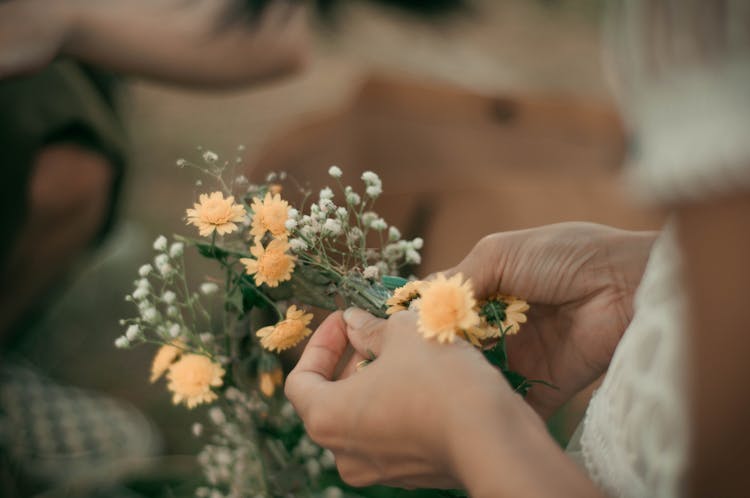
x,y
422,414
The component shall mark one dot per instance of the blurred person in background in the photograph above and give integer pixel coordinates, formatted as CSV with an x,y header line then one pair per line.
x,y
64,155
664,318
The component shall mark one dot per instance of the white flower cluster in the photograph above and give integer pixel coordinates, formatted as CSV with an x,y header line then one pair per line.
x,y
338,234
159,297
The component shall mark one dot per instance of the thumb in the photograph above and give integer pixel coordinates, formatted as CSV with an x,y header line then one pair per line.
x,y
364,331
318,362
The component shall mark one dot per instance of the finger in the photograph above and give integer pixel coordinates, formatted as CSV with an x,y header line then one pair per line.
x,y
351,366
317,364
364,332
482,266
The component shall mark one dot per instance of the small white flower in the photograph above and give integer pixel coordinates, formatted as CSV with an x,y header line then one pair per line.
x,y
326,193
173,311
161,260
374,191
270,177
181,162
393,234
122,342
208,288
197,429
333,492
368,218
326,205
370,178
313,468
142,283
140,293
160,244
379,224
241,180
342,213
297,245
308,231
169,297
176,249
217,416
354,235
371,273
166,270
144,270
287,410
290,224
417,243
353,198
210,156
413,257
206,337
327,459
293,214
335,172
332,227
174,330
151,315
306,448
133,332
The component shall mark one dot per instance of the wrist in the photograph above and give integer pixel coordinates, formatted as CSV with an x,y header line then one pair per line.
x,y
502,448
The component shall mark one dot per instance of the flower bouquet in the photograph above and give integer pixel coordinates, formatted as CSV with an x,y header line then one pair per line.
x,y
279,262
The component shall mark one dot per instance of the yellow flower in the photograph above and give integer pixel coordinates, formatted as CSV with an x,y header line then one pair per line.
x,y
214,212
270,215
482,332
515,313
268,381
164,358
446,308
402,297
192,378
271,265
287,333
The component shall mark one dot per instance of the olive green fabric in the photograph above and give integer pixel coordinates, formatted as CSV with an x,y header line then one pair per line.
x,y
65,102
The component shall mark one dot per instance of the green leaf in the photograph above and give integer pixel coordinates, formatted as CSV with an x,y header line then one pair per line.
x,y
393,283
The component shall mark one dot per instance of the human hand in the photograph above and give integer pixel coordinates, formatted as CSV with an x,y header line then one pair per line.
x,y
579,279
405,419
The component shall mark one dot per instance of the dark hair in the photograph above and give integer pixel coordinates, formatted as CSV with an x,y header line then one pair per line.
x,y
327,8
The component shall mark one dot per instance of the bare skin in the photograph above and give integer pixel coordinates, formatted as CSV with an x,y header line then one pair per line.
x,y
68,196
458,415
190,43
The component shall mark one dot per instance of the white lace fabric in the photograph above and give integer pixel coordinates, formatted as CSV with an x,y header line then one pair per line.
x,y
634,437
685,94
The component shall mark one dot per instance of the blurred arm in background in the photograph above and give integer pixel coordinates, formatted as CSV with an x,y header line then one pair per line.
x,y
209,43
64,146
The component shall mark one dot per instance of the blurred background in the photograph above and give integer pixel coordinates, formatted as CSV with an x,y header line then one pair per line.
x,y
496,117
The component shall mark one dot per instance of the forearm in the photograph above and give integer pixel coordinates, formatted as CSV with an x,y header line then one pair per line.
x,y
515,457
190,43
715,240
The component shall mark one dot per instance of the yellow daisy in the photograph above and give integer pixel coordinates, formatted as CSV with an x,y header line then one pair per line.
x,y
164,358
268,381
271,265
214,212
446,308
270,215
191,380
482,332
287,333
515,313
402,297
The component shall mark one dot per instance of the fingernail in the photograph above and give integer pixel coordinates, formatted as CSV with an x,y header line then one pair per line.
x,y
355,317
